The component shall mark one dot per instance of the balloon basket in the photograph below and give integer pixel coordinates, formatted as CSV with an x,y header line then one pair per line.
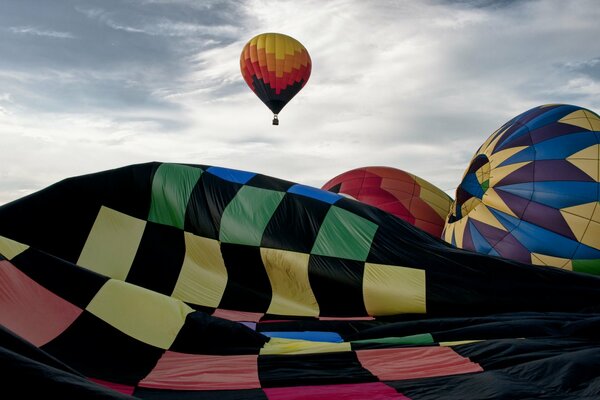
x,y
275,120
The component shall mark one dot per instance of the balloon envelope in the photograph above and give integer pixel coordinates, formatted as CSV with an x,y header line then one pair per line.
x,y
276,67
531,192
398,192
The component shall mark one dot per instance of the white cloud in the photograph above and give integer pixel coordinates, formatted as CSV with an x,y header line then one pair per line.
x,y
30,30
412,85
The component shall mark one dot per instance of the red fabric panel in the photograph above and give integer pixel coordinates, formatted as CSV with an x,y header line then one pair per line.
x,y
415,362
353,391
237,316
181,371
29,309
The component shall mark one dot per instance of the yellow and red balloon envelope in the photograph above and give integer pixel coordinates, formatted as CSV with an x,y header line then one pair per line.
x,y
276,67
398,192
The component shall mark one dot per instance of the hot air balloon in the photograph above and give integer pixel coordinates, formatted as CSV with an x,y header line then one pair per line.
x,y
398,192
531,192
180,281
276,67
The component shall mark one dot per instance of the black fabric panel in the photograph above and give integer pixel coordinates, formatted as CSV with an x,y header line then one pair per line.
x,y
98,350
207,201
507,325
570,374
488,385
204,309
361,209
502,353
159,258
26,378
248,286
488,285
58,219
267,182
311,369
28,372
242,394
74,284
337,285
295,223
396,242
203,334
11,342
275,101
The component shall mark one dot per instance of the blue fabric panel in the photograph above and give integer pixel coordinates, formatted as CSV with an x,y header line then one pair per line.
x,y
472,185
561,194
550,116
527,154
563,146
523,190
231,175
586,253
505,142
539,240
315,193
557,194
481,245
508,221
314,336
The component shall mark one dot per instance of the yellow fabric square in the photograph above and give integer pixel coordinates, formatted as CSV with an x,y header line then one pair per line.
x,y
592,235
390,290
288,274
148,316
9,248
296,346
112,243
203,275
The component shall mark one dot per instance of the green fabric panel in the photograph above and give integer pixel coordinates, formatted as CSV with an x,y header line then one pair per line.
x,y
171,190
247,215
588,266
421,338
345,235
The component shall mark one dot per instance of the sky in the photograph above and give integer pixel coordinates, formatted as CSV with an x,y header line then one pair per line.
x,y
92,85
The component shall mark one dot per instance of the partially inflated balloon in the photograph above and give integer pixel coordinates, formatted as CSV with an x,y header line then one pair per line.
x,y
276,67
398,192
532,191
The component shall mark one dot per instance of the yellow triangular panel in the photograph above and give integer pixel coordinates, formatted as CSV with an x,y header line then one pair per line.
x,y
596,215
589,153
587,160
9,248
468,205
577,224
448,230
592,235
542,259
501,156
491,199
483,214
582,210
577,118
459,231
594,120
497,174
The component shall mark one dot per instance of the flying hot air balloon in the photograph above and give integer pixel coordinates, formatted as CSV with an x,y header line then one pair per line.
x,y
276,67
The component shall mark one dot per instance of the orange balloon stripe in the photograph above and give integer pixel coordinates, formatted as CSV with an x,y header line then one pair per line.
x,y
277,73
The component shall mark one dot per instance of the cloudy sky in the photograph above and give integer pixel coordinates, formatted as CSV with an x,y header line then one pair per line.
x,y
92,85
